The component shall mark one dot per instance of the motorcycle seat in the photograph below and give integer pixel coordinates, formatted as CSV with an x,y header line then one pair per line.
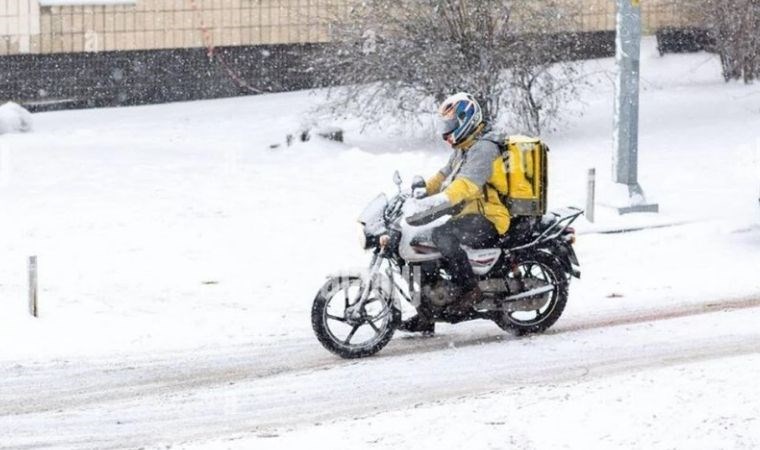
x,y
520,232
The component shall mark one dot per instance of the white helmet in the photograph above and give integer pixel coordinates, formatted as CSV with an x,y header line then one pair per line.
x,y
458,117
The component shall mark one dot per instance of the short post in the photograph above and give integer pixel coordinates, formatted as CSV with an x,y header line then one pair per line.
x,y
33,286
591,195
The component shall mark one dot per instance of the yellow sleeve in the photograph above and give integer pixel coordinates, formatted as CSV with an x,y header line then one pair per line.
x,y
461,190
433,184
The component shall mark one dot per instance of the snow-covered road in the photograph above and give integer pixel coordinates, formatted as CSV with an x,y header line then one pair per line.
x,y
252,390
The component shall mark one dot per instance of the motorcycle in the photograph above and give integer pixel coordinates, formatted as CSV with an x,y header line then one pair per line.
x,y
524,280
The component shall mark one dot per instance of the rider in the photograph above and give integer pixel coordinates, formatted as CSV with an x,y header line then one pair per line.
x,y
467,183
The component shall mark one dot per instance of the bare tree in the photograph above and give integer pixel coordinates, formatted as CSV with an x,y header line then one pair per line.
x,y
734,27
400,57
542,87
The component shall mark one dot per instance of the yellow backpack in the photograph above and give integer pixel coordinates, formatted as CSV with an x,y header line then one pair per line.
x,y
526,170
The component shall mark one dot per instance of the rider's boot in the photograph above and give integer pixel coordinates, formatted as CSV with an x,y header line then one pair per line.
x,y
420,323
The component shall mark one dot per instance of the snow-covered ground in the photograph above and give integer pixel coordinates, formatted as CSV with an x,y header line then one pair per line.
x,y
179,254
14,118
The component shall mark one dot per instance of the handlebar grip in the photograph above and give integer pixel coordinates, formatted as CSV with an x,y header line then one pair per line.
x,y
418,182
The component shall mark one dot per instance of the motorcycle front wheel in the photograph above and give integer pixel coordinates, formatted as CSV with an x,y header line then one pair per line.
x,y
352,337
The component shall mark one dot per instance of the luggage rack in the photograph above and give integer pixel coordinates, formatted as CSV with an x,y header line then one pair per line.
x,y
561,221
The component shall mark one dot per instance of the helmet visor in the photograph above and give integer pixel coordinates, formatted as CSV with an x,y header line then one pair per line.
x,y
446,126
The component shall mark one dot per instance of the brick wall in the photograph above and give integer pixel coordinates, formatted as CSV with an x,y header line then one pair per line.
x,y
28,26
19,25
162,24
599,15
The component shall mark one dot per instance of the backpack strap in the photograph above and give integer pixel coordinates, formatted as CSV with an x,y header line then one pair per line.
x,y
502,148
504,151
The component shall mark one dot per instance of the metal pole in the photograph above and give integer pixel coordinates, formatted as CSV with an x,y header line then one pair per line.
x,y
591,195
626,134
33,286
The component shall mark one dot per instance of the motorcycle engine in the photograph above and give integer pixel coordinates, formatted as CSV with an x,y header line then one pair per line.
x,y
441,294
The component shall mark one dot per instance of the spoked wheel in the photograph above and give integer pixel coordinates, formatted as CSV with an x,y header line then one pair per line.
x,y
346,331
537,314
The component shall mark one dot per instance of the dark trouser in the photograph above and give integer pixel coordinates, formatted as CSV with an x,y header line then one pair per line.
x,y
473,231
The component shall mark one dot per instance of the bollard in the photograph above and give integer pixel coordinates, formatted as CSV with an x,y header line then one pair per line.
x,y
591,195
33,286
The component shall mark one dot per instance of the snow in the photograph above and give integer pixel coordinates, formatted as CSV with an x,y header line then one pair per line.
x,y
14,118
179,254
246,394
653,409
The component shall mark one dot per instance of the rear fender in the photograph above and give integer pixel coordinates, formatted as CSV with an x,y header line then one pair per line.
x,y
565,254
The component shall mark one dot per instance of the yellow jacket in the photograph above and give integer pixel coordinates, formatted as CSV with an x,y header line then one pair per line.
x,y
469,178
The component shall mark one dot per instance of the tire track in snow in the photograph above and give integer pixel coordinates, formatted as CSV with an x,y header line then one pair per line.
x,y
655,314
112,380
379,384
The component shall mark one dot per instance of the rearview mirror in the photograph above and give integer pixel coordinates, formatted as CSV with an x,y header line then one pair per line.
x,y
397,179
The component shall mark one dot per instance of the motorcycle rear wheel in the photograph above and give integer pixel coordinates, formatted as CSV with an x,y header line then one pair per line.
x,y
379,321
543,267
